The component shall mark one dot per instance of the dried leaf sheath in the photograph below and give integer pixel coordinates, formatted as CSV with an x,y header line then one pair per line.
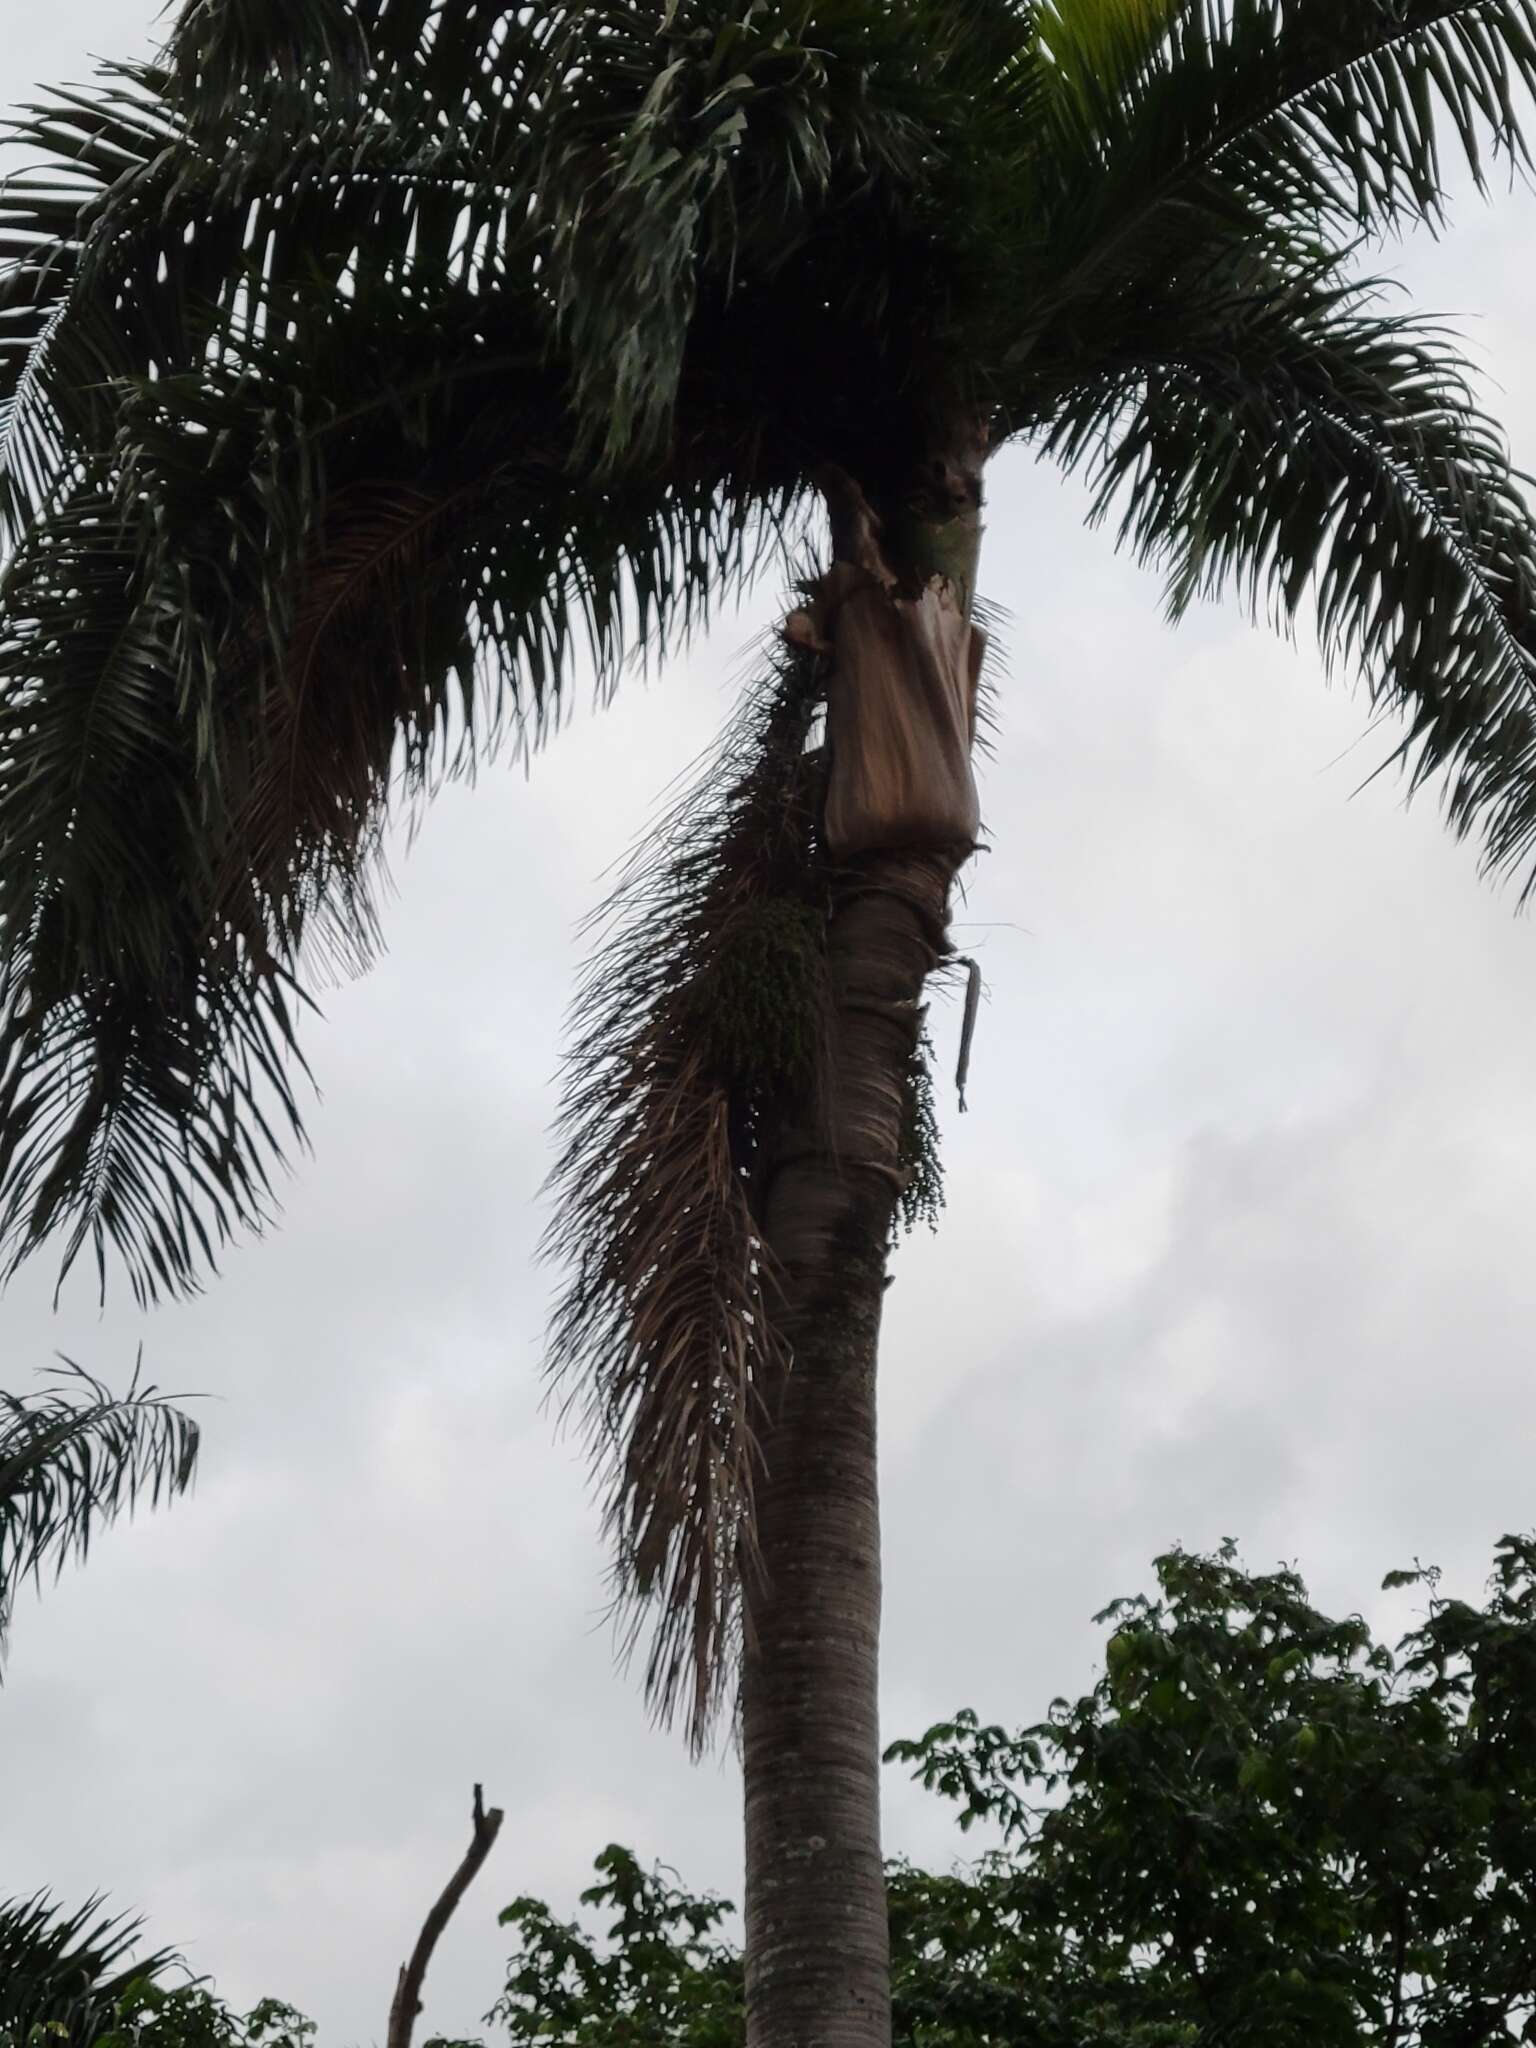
x,y
702,1008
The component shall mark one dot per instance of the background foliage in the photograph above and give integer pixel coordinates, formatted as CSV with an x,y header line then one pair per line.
x,y
1261,1825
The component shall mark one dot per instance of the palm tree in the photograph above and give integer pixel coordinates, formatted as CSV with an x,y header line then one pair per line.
x,y
72,1458
367,356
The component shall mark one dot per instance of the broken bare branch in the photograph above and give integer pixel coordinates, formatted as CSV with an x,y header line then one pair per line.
x,y
407,2000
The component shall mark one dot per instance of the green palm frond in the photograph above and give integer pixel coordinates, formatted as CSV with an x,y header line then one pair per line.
x,y
73,1458
1347,108
66,1971
698,1020
145,1055
145,1120
1269,125
695,145
1304,443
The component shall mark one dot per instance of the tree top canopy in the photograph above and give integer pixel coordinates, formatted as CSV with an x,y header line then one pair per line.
x,y
364,358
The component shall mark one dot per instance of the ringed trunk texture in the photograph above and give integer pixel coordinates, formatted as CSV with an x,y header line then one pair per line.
x,y
900,819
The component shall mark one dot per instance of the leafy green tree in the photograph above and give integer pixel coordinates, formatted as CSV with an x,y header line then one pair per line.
x,y
131,2006
365,356
140,2010
663,1978
1260,1826
157,2015
72,1458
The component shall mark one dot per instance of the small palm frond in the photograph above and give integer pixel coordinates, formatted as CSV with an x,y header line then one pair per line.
x,y
1304,442
73,1458
66,1972
699,1016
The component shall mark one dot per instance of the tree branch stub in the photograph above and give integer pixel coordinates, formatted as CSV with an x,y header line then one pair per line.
x,y
406,2003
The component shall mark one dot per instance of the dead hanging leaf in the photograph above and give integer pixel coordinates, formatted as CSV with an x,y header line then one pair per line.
x,y
701,1008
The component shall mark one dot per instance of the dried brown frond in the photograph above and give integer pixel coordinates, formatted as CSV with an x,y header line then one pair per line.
x,y
699,1015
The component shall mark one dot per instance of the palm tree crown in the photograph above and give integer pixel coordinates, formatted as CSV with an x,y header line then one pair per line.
x,y
359,367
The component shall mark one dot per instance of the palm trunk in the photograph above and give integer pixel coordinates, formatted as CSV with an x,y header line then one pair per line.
x,y
817,1947
818,1965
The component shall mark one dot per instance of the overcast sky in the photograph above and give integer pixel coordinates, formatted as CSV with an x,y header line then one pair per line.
x,y
1239,1241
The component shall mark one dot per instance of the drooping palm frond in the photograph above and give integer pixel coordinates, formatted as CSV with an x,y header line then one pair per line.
x,y
1346,111
65,1972
73,1458
1287,438
698,1019
140,1119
